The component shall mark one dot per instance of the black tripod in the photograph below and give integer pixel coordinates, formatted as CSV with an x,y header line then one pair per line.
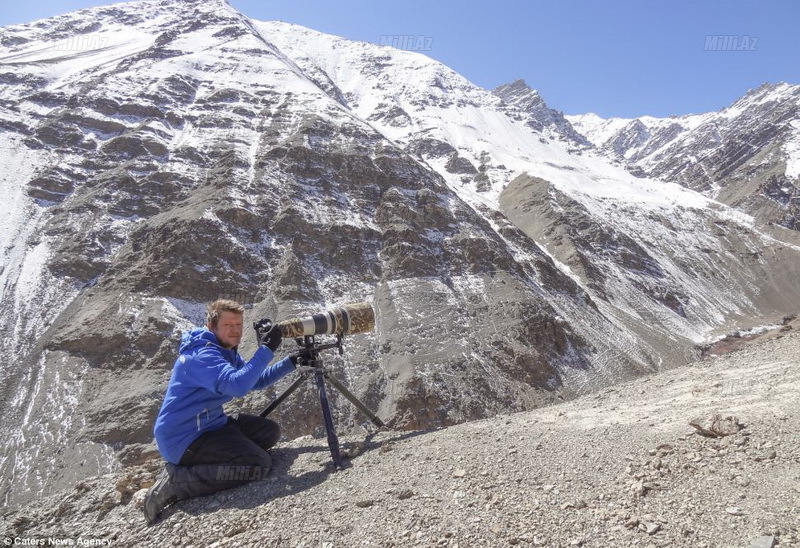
x,y
309,363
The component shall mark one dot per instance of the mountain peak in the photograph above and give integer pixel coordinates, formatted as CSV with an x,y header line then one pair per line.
x,y
519,83
528,104
516,91
767,92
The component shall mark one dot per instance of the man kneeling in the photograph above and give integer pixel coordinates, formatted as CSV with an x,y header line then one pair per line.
x,y
206,450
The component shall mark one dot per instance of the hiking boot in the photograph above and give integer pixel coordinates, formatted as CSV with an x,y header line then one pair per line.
x,y
160,495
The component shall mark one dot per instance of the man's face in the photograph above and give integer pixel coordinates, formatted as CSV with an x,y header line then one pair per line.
x,y
228,329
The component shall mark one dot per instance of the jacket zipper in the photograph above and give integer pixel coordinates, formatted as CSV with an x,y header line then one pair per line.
x,y
198,417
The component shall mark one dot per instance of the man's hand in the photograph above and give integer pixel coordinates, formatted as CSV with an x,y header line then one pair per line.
x,y
268,334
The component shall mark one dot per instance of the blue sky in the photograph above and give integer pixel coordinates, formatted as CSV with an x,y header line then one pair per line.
x,y
615,58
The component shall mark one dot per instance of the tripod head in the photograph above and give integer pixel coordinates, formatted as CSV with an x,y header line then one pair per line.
x,y
310,349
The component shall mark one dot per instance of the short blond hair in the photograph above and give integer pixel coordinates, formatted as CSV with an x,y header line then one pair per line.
x,y
219,306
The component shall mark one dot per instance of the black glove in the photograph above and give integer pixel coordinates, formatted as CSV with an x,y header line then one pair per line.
x,y
267,334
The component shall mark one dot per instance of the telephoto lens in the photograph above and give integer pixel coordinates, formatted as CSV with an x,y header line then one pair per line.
x,y
348,319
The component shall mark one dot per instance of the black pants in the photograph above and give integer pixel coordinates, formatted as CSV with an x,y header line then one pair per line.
x,y
227,457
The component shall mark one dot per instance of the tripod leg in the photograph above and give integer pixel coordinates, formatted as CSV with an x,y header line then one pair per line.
x,y
298,381
355,401
333,441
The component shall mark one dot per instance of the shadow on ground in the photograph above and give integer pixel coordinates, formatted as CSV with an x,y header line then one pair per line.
x,y
280,483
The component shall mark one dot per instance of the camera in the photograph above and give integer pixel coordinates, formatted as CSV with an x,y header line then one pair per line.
x,y
348,319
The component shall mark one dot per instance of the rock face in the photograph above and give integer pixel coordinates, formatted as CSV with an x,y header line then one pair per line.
x,y
162,154
525,104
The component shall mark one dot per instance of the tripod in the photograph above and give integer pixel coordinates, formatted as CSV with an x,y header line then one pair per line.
x,y
309,363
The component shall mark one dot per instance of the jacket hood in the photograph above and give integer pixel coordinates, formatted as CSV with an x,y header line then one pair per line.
x,y
196,338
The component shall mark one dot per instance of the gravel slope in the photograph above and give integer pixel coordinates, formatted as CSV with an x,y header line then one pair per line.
x,y
621,467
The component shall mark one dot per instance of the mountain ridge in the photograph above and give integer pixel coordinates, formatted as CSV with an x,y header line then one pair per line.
x,y
744,155
190,153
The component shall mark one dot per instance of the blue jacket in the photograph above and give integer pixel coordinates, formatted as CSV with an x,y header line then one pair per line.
x,y
205,377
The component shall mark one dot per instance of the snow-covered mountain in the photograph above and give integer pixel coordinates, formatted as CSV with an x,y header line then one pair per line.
x,y
745,155
159,154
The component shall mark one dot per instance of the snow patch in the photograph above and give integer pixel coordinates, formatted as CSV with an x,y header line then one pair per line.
x,y
792,151
185,314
